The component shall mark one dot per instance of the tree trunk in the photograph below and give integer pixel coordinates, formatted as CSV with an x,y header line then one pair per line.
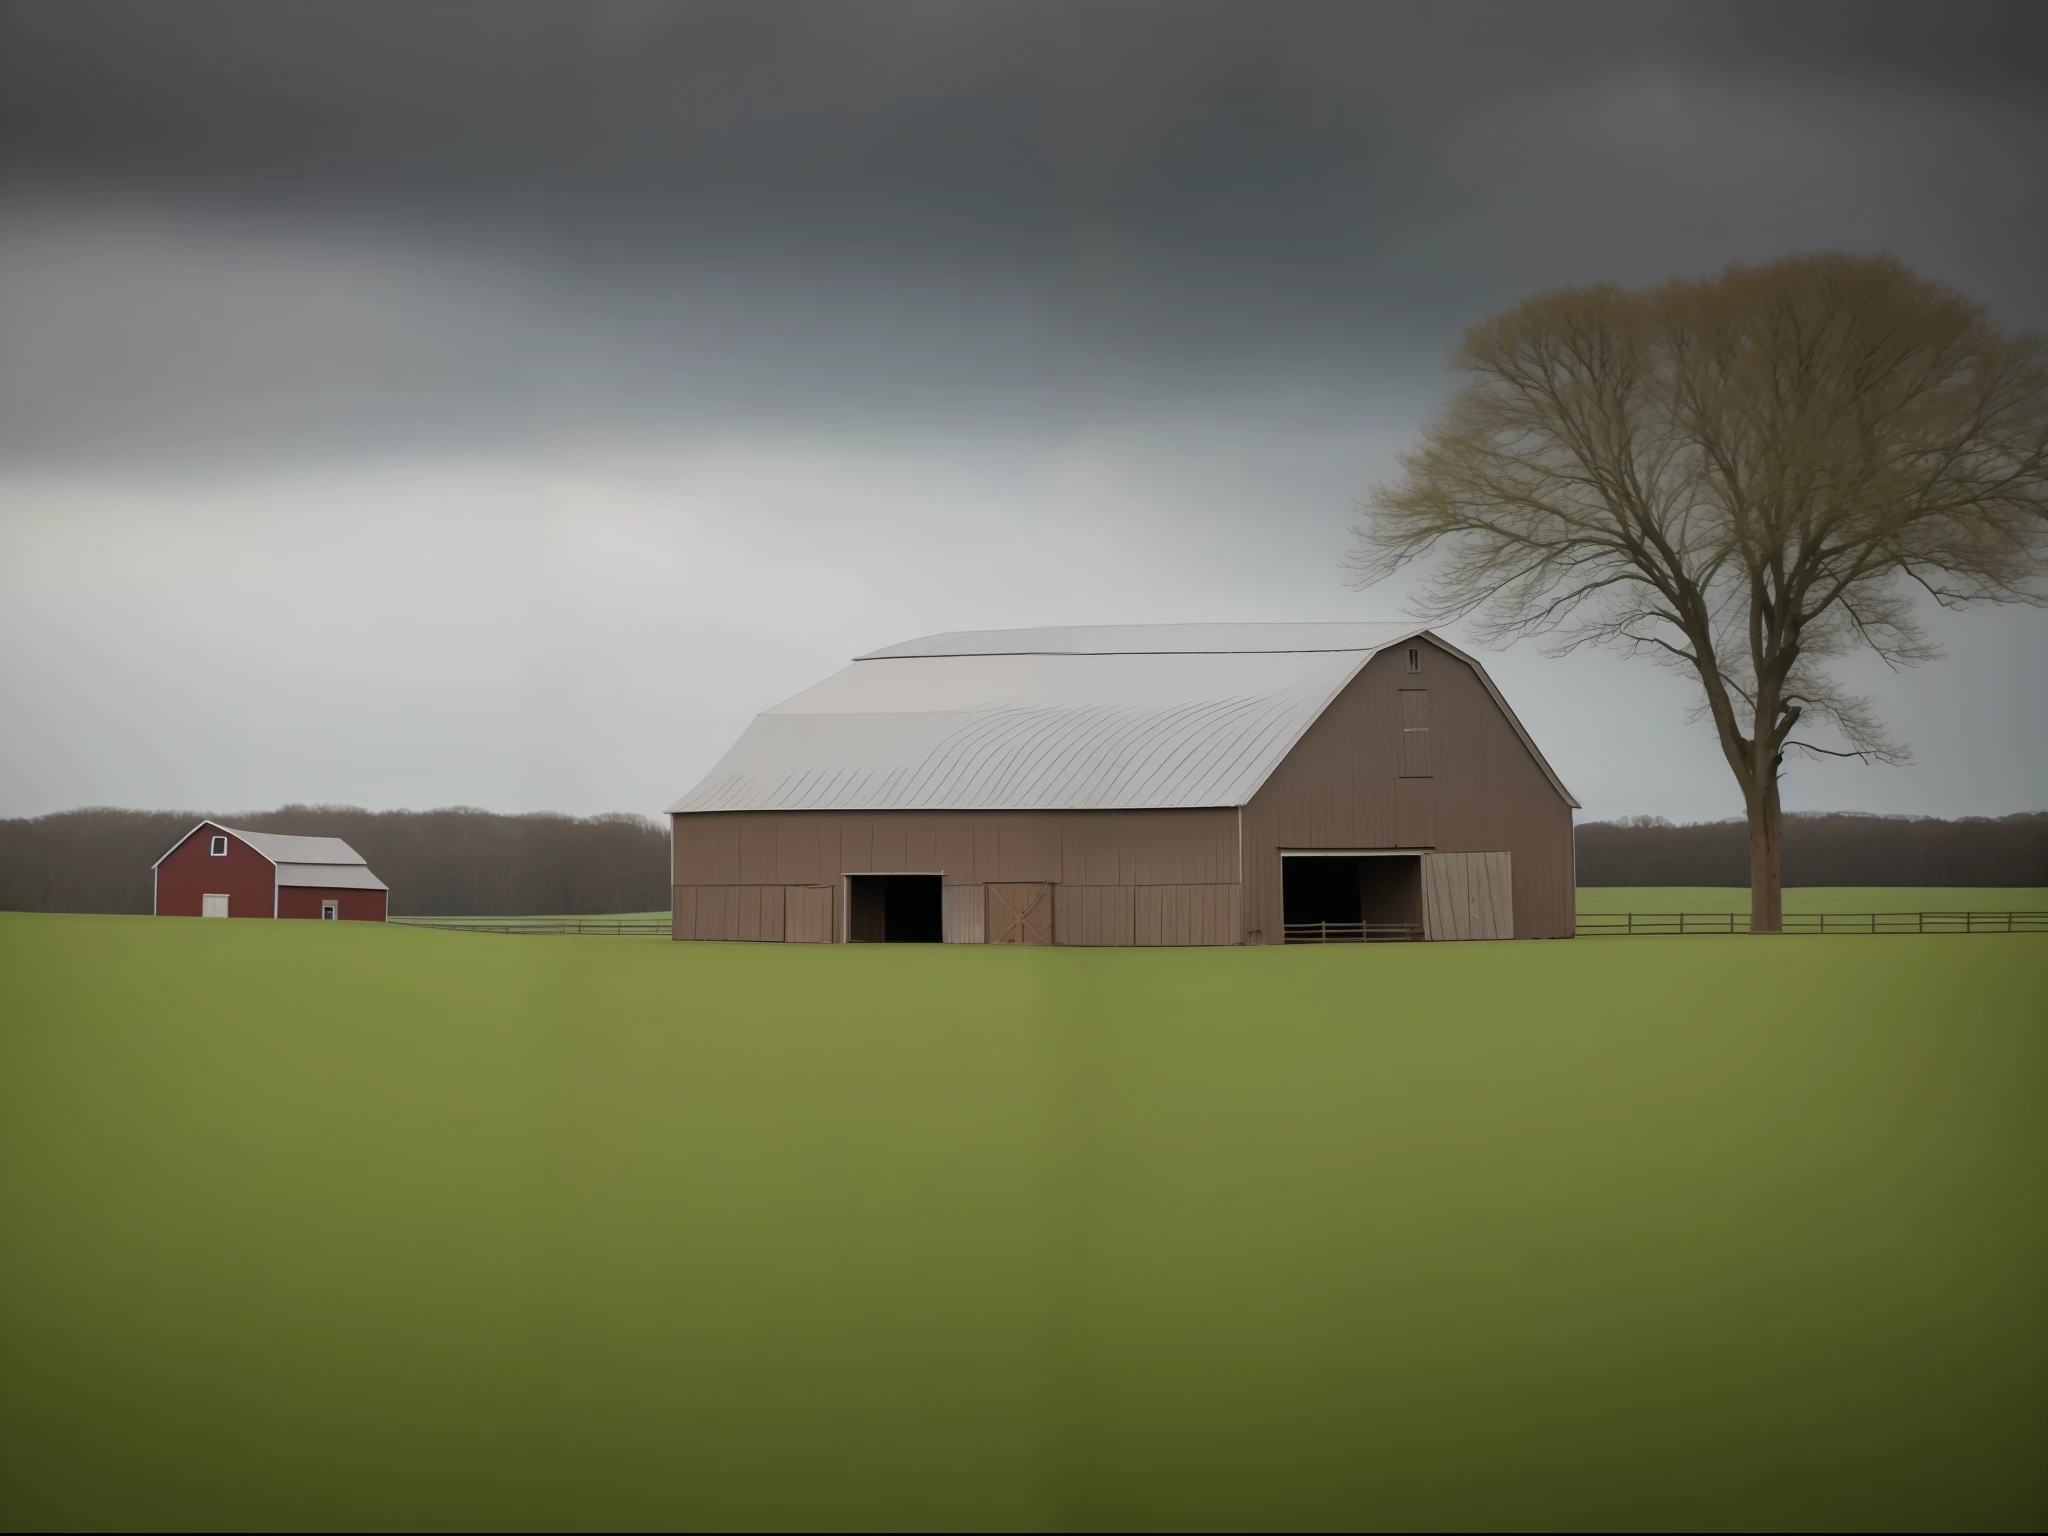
x,y
1766,890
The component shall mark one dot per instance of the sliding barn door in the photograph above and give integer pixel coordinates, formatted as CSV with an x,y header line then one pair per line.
x,y
1468,896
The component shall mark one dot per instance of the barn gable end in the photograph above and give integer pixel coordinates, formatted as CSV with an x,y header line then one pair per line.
x,y
190,872
1360,779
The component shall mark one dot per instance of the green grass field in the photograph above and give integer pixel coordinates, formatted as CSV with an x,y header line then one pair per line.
x,y
344,1225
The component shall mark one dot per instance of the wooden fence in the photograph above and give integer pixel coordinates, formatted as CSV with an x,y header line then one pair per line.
x,y
1603,925
635,927
1349,933
1592,925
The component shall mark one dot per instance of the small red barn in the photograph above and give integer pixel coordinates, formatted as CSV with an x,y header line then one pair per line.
x,y
217,871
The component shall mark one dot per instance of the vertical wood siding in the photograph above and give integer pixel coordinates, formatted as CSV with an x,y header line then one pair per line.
x,y
1468,896
730,912
1095,914
1187,914
807,914
1341,787
1414,813
964,916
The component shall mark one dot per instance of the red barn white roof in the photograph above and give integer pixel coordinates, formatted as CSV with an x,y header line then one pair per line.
x,y
321,861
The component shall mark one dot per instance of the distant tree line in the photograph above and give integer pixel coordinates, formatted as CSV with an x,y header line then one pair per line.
x,y
437,863
1826,849
475,863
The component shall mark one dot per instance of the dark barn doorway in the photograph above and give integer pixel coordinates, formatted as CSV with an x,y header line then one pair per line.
x,y
1350,897
893,909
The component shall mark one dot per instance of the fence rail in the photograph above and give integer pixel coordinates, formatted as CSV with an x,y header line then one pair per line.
x,y
605,927
1607,925
1349,933
1592,925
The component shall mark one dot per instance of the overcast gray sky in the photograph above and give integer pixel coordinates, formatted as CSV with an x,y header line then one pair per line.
x,y
498,404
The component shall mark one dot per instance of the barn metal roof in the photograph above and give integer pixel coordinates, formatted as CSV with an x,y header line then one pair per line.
x,y
282,848
1111,717
340,877
1151,639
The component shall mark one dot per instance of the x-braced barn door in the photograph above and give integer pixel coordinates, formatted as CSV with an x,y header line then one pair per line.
x,y
1020,914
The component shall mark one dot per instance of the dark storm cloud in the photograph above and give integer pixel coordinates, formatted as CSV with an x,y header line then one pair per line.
x,y
529,217
987,102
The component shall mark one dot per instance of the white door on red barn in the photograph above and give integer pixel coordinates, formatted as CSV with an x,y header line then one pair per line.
x,y
213,906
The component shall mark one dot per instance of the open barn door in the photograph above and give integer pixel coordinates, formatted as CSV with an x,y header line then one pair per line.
x,y
1468,896
894,909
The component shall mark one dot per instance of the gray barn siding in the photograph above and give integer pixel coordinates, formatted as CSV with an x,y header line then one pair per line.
x,y
1341,788
1097,861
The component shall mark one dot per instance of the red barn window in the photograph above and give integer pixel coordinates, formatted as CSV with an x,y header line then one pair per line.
x,y
220,848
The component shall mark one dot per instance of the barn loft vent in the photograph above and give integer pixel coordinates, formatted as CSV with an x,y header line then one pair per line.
x,y
1414,659
220,848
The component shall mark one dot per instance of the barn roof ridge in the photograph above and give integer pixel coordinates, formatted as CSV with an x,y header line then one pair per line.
x,y
1223,639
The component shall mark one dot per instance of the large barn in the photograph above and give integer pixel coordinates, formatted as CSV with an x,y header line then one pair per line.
x,y
1134,784
217,871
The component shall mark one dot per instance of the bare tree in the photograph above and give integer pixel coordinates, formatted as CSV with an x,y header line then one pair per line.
x,y
1744,477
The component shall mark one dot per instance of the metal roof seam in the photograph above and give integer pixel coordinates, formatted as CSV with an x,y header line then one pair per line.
x,y
1025,748
1157,773
976,751
1010,739
1150,761
1176,754
1214,714
950,750
1253,749
1077,764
